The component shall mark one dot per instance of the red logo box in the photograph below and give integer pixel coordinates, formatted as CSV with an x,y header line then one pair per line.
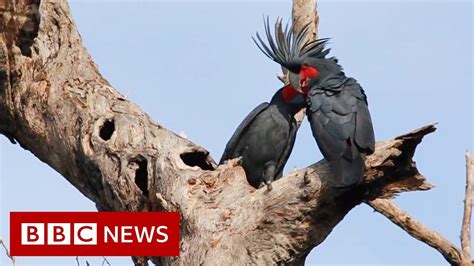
x,y
94,233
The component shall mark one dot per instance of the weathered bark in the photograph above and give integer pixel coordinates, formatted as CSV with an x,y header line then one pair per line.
x,y
466,220
304,12
55,104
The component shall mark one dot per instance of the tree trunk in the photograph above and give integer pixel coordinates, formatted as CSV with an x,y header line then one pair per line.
x,y
55,103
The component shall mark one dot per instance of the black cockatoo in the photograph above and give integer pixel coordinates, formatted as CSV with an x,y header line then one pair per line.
x,y
265,138
337,105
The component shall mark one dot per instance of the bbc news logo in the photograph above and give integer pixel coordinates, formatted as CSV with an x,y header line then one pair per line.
x,y
59,234
94,233
86,234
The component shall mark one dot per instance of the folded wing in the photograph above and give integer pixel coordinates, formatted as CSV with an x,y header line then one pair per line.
x,y
341,124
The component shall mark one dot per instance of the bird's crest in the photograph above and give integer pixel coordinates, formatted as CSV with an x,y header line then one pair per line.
x,y
286,48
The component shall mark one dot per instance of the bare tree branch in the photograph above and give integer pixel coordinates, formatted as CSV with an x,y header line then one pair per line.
x,y
105,261
428,236
305,12
417,230
466,221
7,252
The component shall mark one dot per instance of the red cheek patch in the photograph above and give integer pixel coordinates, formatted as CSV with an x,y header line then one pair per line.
x,y
305,73
308,72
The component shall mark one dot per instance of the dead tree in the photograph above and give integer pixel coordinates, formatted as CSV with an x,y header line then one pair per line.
x,y
55,103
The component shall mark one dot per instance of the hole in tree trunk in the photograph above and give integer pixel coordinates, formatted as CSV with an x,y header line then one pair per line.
x,y
197,158
107,130
141,175
29,30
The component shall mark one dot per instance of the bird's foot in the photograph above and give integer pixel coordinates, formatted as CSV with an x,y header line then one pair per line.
x,y
269,185
307,176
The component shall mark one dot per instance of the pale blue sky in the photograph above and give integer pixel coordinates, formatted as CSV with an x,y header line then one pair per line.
x,y
194,68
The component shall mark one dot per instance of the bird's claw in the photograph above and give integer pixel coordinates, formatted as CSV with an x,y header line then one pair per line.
x,y
307,176
269,186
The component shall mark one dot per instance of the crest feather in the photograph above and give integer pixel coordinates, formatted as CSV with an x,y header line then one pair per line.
x,y
286,47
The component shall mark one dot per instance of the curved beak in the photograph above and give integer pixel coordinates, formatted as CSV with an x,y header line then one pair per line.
x,y
295,81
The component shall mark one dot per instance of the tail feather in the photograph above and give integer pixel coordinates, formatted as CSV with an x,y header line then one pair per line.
x,y
347,173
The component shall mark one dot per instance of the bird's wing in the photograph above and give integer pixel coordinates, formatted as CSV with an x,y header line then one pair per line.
x,y
341,118
341,124
364,131
286,153
234,140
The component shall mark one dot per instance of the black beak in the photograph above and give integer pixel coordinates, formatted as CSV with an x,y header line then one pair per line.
x,y
295,81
